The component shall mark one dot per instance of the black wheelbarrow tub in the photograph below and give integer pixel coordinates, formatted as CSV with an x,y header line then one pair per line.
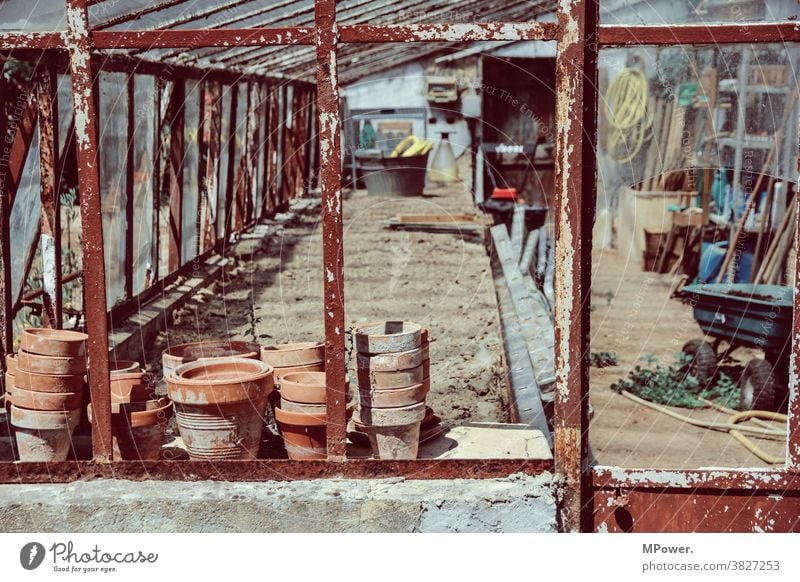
x,y
758,316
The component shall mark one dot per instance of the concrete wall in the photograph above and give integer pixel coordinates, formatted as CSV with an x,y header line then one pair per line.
x,y
516,504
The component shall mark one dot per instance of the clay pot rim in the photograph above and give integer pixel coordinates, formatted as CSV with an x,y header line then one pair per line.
x,y
362,365
300,418
72,418
361,329
393,390
116,377
253,350
177,378
59,335
11,363
293,347
26,360
136,418
286,378
115,367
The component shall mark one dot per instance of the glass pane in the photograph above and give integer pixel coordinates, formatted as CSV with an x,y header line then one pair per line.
x,y
191,189
685,313
33,16
443,11
224,190
629,12
24,220
240,189
144,139
163,203
113,117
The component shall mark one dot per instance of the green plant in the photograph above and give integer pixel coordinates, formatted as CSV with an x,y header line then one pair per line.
x,y
672,386
603,359
252,323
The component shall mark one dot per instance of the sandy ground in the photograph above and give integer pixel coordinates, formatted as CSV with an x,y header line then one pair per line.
x,y
442,281
634,316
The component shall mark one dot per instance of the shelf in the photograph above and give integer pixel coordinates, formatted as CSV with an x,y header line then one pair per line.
x,y
732,86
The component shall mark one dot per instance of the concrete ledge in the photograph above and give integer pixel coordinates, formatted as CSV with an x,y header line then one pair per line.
x,y
516,504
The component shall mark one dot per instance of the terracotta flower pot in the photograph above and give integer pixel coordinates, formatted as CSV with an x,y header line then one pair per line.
x,y
44,436
181,354
305,408
304,435
393,432
370,380
132,387
54,342
306,387
51,365
390,362
31,400
49,383
123,367
393,398
220,406
138,428
293,355
387,337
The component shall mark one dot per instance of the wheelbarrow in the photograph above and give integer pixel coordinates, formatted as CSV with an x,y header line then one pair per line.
x,y
743,315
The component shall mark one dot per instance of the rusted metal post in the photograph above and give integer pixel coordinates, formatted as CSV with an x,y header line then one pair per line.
x,y
230,181
576,104
176,154
129,188
793,438
50,214
332,230
94,281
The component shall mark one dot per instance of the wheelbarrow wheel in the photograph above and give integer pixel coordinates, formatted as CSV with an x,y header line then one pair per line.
x,y
702,360
758,386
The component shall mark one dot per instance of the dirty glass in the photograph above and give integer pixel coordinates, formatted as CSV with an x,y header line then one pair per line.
x,y
627,12
27,16
191,188
144,140
113,147
694,145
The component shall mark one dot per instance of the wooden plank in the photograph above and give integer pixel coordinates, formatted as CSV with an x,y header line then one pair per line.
x,y
517,231
526,400
434,218
176,154
528,314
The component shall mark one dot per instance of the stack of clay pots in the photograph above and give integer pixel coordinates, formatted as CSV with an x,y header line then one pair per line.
x,y
48,388
301,415
292,358
139,418
220,405
392,387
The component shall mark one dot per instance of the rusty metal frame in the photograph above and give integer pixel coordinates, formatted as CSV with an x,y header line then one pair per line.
x,y
579,37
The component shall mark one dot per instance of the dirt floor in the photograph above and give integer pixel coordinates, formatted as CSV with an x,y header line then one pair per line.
x,y
633,316
442,281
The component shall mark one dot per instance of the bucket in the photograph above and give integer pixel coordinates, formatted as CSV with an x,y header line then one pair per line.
x,y
394,176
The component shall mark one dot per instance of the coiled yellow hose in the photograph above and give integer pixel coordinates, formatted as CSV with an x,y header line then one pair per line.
x,y
627,106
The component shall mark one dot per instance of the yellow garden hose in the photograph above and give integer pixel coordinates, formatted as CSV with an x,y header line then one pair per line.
x,y
732,426
412,146
750,445
627,106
